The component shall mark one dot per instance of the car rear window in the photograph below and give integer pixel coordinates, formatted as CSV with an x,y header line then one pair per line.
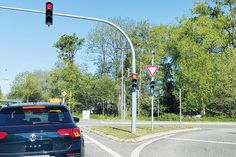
x,y
34,115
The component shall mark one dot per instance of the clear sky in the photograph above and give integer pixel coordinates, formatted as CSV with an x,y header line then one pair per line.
x,y
26,42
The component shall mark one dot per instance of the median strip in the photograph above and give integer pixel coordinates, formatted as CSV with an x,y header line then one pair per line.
x,y
124,134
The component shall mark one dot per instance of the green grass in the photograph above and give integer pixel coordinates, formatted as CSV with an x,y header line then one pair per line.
x,y
103,117
124,132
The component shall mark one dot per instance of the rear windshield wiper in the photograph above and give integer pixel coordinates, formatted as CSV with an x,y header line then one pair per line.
x,y
38,123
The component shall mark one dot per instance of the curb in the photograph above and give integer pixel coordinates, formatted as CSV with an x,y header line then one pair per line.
x,y
142,138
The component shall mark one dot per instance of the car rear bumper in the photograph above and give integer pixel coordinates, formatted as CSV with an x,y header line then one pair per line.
x,y
42,154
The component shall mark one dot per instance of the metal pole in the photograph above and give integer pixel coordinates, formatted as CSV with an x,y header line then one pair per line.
x,y
152,97
124,102
63,100
180,107
122,85
134,94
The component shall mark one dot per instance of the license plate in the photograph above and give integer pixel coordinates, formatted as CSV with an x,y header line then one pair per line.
x,y
38,156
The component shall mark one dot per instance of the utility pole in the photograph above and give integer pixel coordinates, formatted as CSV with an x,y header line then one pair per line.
x,y
122,85
124,101
180,107
134,74
139,86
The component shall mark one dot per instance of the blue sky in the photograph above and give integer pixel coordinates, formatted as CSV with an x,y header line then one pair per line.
x,y
26,42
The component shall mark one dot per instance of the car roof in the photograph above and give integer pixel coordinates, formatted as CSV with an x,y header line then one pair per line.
x,y
35,104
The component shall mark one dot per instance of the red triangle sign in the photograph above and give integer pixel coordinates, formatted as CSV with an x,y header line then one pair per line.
x,y
152,69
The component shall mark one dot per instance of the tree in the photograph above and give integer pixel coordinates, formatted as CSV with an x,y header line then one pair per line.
x,y
195,50
64,79
67,47
107,43
26,87
43,77
66,76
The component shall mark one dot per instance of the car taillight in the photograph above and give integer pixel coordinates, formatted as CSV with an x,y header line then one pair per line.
x,y
33,107
72,132
3,135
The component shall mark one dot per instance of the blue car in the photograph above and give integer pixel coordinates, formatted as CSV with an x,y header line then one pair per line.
x,y
39,130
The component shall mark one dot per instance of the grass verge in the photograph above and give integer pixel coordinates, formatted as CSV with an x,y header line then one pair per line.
x,y
124,132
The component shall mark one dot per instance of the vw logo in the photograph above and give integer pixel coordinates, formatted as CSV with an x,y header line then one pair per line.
x,y
32,137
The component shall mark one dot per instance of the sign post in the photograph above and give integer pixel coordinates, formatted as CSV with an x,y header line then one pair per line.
x,y
63,96
152,71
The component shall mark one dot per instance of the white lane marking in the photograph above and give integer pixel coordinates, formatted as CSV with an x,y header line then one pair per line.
x,y
110,151
88,142
137,150
204,141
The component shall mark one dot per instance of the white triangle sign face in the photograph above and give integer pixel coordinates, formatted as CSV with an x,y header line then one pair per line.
x,y
152,69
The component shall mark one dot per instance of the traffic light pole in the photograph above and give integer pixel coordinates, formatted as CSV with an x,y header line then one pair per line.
x,y
134,94
152,92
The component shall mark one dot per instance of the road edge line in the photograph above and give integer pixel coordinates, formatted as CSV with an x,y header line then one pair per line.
x,y
102,146
137,150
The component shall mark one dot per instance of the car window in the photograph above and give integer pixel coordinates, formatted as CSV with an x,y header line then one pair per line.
x,y
31,116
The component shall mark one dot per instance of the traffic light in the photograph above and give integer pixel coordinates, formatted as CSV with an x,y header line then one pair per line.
x,y
134,83
134,77
49,13
152,83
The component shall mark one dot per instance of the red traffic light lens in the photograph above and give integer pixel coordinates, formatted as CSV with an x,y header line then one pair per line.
x,y
49,6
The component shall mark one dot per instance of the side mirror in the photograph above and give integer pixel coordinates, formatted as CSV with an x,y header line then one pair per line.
x,y
76,119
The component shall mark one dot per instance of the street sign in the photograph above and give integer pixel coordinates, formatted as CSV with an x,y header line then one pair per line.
x,y
152,69
63,93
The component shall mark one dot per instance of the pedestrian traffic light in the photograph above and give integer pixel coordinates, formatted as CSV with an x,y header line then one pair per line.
x,y
49,13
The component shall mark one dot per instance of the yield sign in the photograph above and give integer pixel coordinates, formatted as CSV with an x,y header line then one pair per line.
x,y
152,69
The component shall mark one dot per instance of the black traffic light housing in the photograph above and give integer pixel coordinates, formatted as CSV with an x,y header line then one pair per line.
x,y
152,84
134,83
134,77
49,14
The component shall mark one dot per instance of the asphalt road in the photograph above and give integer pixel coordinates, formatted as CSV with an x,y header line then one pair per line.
x,y
217,142
213,140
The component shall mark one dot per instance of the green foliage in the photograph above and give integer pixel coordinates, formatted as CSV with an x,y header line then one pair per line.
x,y
26,87
169,117
67,47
